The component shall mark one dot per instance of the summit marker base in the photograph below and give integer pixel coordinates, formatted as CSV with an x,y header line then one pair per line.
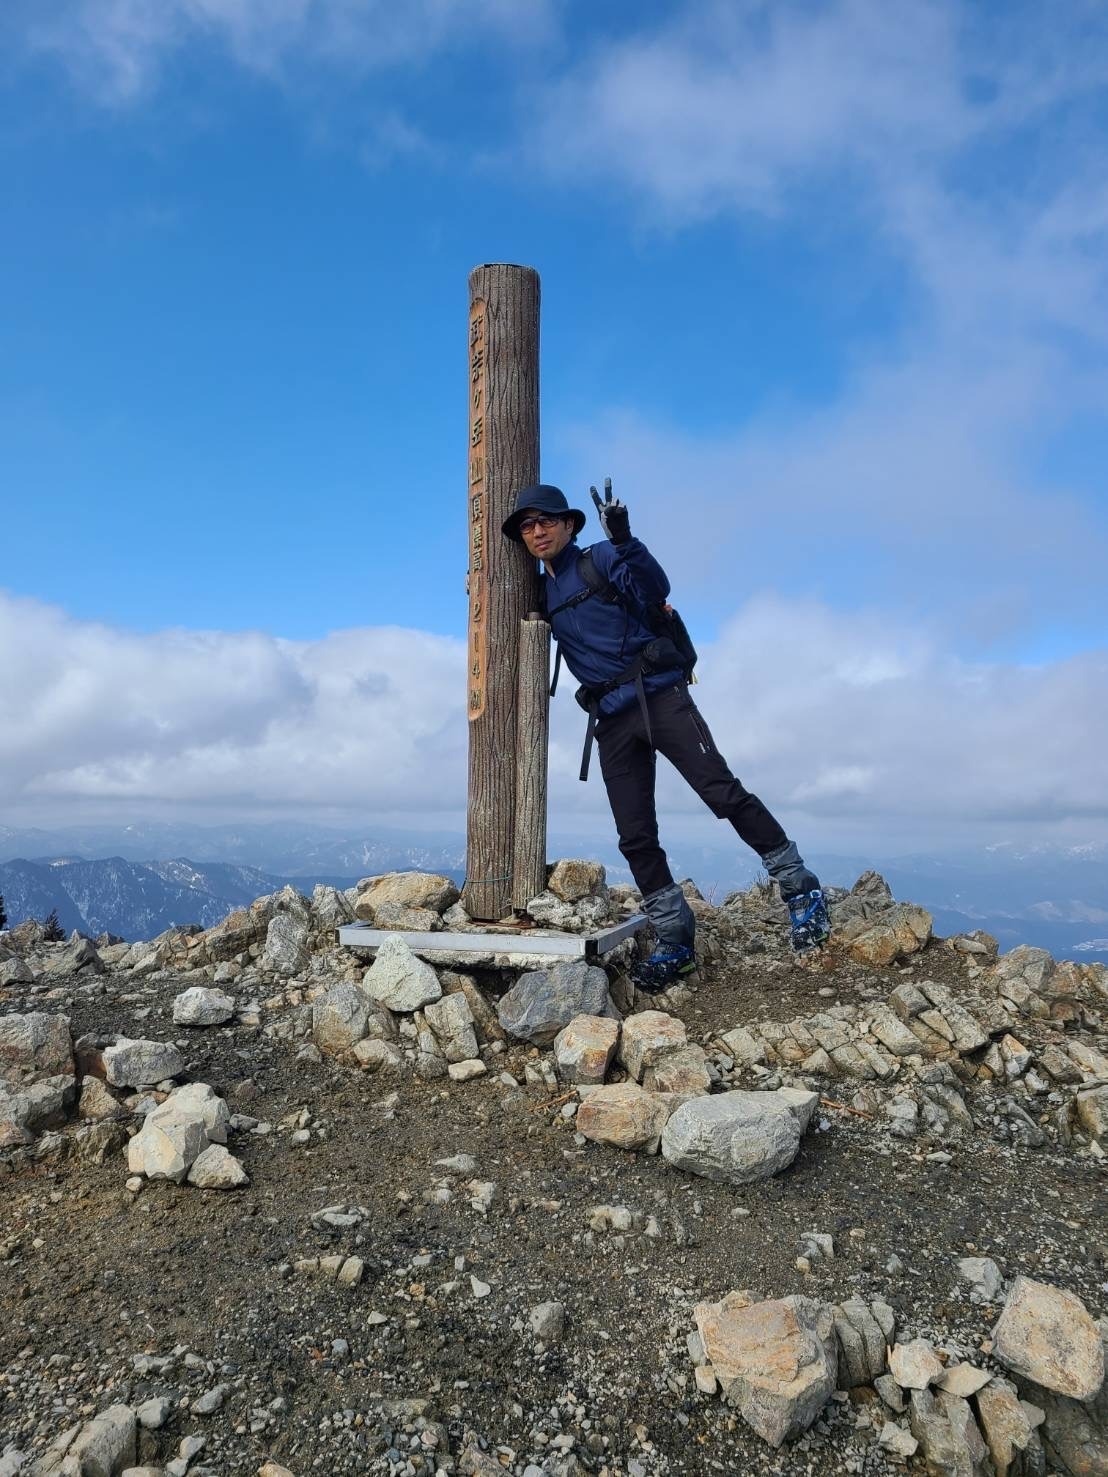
x,y
496,939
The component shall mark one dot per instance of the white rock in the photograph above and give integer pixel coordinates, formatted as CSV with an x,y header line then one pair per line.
x,y
466,1071
200,1006
215,1168
166,1152
736,1137
399,980
915,1365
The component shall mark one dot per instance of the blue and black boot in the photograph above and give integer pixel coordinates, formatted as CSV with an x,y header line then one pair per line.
x,y
666,966
808,920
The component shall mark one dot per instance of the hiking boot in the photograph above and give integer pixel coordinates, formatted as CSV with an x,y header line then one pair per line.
x,y
667,964
808,920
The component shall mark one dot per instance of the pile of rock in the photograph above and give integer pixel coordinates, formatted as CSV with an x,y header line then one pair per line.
x,y
186,1135
779,1362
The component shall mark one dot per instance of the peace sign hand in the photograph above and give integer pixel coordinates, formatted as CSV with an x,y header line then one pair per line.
x,y
614,517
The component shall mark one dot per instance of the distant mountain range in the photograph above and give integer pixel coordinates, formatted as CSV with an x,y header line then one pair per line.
x,y
100,879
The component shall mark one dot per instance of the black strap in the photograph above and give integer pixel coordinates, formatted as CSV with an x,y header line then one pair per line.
x,y
557,668
595,695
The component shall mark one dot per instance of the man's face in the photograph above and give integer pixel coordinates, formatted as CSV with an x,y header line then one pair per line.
x,y
547,538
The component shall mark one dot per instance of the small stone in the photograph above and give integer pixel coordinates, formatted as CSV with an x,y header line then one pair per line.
x,y
914,1366
983,1276
547,1321
646,1035
211,1401
399,980
215,1168
704,1377
466,1071
583,1050
896,1440
153,1414
480,1289
963,1380
351,1272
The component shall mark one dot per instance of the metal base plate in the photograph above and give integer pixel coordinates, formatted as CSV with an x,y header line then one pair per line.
x,y
497,940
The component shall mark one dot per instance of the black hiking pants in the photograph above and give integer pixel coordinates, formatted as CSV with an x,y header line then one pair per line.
x,y
628,762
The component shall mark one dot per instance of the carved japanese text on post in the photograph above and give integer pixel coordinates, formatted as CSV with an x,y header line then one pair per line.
x,y
477,514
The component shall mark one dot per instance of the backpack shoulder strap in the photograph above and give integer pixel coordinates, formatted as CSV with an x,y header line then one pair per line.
x,y
595,581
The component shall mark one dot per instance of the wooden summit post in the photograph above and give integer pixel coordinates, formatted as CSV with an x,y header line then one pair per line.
x,y
503,589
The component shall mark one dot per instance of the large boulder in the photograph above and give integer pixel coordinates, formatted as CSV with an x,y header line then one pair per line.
x,y
140,1063
543,1001
624,1115
1047,1335
776,1361
341,1018
583,1050
34,1045
409,889
78,954
200,1006
27,1108
735,1137
286,949
399,980
902,930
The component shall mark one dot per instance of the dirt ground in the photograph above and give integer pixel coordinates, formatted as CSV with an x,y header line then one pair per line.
x,y
93,1276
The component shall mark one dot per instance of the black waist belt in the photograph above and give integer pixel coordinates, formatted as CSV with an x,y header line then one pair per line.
x,y
590,699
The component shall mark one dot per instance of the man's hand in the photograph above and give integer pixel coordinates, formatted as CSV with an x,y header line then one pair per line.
x,y
614,517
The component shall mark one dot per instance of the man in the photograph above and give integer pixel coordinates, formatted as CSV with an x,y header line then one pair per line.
x,y
637,692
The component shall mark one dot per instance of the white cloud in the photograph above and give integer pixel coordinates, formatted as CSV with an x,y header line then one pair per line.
x,y
117,49
879,731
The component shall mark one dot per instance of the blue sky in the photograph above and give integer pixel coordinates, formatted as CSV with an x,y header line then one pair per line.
x,y
823,290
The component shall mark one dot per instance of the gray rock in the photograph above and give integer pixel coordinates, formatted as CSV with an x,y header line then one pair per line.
x,y
984,1278
141,1063
152,1414
78,954
210,1402
736,1137
286,944
547,1321
451,1021
341,1017
177,1131
106,1444
1047,1335
200,1006
28,1109
399,980
34,1045
214,1168
15,971
542,1001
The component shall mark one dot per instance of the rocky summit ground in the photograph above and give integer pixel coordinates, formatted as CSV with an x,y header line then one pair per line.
x,y
439,1260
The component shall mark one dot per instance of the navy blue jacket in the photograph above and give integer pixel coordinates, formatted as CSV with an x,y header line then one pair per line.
x,y
598,639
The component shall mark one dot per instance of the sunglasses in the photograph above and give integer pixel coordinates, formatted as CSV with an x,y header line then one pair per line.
x,y
543,521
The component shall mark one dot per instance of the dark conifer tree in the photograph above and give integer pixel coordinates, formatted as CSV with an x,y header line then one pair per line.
x,y
52,931
3,913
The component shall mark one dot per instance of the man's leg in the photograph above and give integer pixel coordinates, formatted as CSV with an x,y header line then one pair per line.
x,y
628,765
681,734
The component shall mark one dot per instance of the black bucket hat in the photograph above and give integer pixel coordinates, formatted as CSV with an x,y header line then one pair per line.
x,y
542,499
